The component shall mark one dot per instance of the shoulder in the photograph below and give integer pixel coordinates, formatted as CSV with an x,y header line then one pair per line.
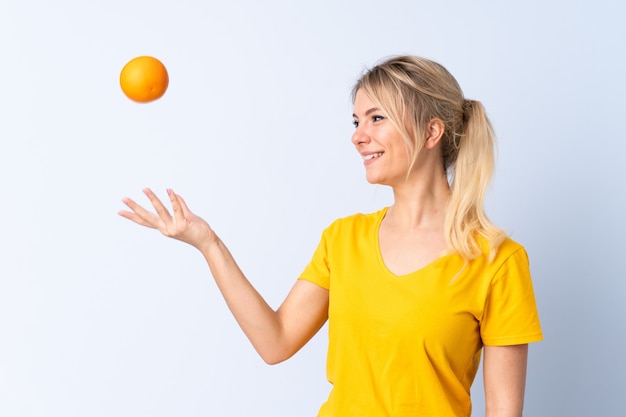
x,y
508,248
356,221
510,260
508,253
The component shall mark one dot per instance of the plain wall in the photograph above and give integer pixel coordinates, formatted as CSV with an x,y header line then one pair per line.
x,y
99,317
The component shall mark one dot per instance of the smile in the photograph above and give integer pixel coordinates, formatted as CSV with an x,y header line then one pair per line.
x,y
372,156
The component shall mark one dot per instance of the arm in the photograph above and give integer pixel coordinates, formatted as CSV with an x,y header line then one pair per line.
x,y
504,375
276,335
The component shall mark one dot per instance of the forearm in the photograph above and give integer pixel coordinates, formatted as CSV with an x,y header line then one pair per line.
x,y
260,323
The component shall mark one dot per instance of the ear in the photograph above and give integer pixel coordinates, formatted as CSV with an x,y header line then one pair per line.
x,y
434,133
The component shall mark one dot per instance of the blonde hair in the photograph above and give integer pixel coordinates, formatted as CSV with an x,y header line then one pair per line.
x,y
412,91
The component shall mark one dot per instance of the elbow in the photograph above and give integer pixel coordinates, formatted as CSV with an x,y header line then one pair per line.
x,y
275,356
272,360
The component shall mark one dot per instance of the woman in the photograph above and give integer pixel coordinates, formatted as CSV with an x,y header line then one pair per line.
x,y
418,288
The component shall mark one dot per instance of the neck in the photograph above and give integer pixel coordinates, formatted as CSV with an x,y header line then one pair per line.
x,y
420,203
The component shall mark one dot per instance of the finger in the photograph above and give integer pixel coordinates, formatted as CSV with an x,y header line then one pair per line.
x,y
163,213
135,218
137,209
183,205
179,215
139,214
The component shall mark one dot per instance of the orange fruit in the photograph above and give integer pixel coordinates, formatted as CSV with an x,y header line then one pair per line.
x,y
144,79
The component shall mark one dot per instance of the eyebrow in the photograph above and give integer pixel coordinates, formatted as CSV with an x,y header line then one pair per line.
x,y
368,112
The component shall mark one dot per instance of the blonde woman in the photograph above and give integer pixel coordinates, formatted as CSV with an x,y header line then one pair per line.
x,y
419,289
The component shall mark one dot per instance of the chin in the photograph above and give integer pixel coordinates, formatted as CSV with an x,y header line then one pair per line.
x,y
374,180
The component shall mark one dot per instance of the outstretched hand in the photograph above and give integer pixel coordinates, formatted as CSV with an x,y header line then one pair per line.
x,y
182,225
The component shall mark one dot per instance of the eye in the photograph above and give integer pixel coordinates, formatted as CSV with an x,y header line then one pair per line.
x,y
377,118
355,124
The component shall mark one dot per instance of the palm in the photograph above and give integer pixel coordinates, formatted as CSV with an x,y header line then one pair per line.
x,y
182,225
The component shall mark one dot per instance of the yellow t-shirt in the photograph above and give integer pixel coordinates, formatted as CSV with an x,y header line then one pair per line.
x,y
410,345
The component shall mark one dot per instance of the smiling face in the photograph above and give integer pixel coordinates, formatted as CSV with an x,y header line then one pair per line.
x,y
385,154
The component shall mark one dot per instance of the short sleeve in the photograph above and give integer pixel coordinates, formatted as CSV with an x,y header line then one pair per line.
x,y
318,271
510,316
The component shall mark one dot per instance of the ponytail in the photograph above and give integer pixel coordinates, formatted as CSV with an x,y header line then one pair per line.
x,y
469,178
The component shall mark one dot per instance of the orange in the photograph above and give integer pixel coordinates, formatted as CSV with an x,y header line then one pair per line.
x,y
144,79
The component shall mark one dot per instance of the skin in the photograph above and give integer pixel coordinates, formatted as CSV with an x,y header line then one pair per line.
x,y
413,225
504,375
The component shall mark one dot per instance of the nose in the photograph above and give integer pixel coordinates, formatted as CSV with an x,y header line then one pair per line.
x,y
360,136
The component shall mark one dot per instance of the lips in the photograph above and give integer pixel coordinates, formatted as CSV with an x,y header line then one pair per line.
x,y
370,156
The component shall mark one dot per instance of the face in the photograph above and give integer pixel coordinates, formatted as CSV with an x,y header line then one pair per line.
x,y
379,143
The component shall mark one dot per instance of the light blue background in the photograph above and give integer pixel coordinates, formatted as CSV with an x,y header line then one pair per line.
x,y
99,317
